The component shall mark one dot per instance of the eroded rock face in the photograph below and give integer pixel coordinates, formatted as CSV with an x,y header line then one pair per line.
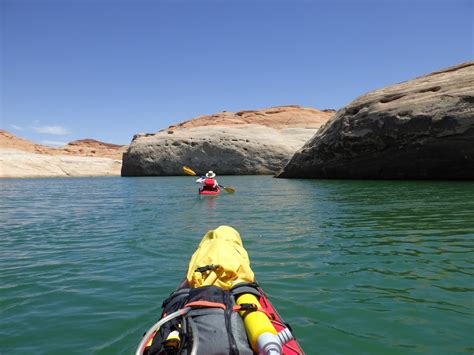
x,y
20,158
21,164
246,142
83,147
418,129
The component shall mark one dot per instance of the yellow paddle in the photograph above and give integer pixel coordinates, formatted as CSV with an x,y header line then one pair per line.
x,y
191,172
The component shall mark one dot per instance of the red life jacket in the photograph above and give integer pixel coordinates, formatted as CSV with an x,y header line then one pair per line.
x,y
209,182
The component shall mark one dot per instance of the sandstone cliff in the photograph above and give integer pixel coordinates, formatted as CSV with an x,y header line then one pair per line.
x,y
418,129
246,142
22,158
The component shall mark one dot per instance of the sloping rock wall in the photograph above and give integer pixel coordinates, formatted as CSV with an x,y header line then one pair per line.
x,y
20,158
226,143
21,164
418,129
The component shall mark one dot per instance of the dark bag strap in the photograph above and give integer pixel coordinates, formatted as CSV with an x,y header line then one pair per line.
x,y
246,287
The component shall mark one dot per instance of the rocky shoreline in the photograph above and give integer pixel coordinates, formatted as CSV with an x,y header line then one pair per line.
x,y
418,129
20,158
243,143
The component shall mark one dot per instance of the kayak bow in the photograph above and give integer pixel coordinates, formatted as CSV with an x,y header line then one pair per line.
x,y
219,307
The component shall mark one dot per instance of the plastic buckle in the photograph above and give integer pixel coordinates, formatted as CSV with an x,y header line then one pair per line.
x,y
248,307
206,268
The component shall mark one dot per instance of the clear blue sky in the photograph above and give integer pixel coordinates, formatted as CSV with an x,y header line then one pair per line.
x,y
73,69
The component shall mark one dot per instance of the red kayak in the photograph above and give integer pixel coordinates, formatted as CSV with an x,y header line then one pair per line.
x,y
219,308
291,347
210,192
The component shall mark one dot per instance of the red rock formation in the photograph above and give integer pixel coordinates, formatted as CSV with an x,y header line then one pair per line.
x,y
83,147
245,142
275,117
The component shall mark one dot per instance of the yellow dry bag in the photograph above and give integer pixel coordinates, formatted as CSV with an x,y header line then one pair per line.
x,y
220,260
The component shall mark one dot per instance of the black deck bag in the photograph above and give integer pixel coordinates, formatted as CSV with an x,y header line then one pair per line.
x,y
211,325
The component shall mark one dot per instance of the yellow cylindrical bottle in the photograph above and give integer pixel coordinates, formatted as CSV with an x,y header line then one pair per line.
x,y
256,323
173,340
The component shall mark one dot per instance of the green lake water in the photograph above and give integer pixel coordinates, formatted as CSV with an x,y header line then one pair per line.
x,y
356,267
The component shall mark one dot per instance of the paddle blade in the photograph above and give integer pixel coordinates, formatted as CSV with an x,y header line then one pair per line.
x,y
189,171
229,190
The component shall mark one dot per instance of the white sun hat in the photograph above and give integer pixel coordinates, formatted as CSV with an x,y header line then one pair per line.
x,y
210,174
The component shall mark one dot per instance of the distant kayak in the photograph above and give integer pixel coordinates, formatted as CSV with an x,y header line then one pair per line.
x,y
209,190
219,308
217,191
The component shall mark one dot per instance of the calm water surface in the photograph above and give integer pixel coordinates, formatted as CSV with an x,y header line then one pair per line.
x,y
364,267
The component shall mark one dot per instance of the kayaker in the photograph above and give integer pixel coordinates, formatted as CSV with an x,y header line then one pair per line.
x,y
208,182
